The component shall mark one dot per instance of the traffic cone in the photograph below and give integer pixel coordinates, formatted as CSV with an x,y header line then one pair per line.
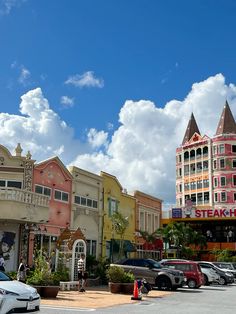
x,y
136,295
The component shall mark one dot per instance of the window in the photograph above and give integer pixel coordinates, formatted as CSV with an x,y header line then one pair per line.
x,y
206,197
95,204
14,184
216,197
113,206
233,148
206,183
205,165
180,187
11,184
234,163
214,150
83,201
186,186
235,197
91,247
215,182
234,180
89,202
223,197
180,159
77,199
193,185
214,164
42,190
222,163
180,172
61,196
142,221
222,181
186,169
199,184
221,148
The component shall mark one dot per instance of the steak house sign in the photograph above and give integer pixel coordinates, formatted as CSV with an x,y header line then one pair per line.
x,y
192,212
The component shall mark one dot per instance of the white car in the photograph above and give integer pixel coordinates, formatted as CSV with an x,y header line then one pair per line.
x,y
17,296
210,276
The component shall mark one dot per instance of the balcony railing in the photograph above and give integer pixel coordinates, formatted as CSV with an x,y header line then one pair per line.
x,y
23,196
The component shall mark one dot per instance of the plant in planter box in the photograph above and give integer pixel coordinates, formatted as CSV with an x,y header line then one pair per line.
x,y
47,283
115,276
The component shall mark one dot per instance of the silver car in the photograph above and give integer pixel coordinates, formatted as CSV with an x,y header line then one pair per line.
x,y
17,296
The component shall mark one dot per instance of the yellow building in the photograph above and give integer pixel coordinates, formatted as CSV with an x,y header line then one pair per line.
x,y
115,198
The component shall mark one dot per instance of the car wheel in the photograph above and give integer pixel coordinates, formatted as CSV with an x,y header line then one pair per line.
x,y
222,281
163,283
192,284
206,281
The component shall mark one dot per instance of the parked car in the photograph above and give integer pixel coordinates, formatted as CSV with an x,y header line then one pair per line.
x,y
17,296
191,270
210,276
225,276
153,272
226,266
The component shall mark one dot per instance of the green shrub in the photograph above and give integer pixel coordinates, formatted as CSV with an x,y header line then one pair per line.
x,y
115,274
128,277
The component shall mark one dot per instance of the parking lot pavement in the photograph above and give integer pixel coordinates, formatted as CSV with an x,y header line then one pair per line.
x,y
96,297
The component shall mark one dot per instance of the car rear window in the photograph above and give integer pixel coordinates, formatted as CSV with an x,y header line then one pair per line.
x,y
183,267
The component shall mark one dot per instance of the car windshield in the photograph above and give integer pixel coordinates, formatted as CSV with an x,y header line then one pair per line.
x,y
4,277
227,266
155,264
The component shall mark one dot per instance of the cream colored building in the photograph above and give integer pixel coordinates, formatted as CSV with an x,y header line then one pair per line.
x,y
87,203
20,208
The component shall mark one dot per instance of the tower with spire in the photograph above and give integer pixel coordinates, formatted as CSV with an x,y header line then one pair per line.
x,y
206,178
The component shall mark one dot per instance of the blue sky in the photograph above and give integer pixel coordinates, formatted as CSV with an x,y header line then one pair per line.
x,y
110,85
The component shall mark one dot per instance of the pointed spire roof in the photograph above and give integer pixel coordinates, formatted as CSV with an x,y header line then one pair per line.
x,y
226,124
191,129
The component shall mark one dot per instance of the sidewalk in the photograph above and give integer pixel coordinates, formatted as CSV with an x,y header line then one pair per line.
x,y
97,297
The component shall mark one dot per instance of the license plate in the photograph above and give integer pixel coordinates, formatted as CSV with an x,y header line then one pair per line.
x,y
30,306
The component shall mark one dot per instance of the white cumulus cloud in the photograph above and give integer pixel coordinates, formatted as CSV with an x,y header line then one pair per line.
x,y
67,101
140,152
85,80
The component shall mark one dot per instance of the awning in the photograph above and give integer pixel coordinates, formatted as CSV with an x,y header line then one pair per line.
x,y
127,245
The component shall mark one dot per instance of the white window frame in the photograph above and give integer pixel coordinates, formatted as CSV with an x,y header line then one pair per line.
x,y
223,177
62,192
223,201
214,149
43,187
220,163
215,182
233,160
221,148
234,175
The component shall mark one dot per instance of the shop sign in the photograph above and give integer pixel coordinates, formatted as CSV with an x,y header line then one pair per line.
x,y
193,212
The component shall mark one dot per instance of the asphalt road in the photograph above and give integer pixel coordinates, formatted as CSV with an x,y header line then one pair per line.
x,y
206,300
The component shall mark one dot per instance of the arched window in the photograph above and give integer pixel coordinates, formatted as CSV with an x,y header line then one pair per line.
x,y
199,152
192,154
205,151
186,155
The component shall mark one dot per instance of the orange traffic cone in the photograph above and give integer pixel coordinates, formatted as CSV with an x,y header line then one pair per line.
x,y
136,295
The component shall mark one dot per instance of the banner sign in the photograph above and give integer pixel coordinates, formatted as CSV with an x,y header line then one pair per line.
x,y
193,212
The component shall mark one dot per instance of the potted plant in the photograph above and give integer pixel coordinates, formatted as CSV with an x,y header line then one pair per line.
x,y
46,282
127,285
115,276
119,280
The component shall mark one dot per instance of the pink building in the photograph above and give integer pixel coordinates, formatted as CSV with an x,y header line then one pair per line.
x,y
51,178
206,181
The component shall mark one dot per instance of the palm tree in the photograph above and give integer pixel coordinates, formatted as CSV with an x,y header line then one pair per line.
x,y
181,236
120,224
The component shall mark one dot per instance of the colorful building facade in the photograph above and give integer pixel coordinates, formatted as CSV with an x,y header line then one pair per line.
x,y
115,198
206,182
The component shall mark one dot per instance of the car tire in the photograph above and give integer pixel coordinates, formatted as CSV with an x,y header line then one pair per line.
x,y
192,284
163,283
206,281
222,281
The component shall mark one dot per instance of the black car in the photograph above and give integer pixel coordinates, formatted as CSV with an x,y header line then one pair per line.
x,y
154,273
225,276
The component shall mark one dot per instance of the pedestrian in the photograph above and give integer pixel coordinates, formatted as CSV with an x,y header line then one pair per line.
x,y
2,263
82,275
230,236
21,272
